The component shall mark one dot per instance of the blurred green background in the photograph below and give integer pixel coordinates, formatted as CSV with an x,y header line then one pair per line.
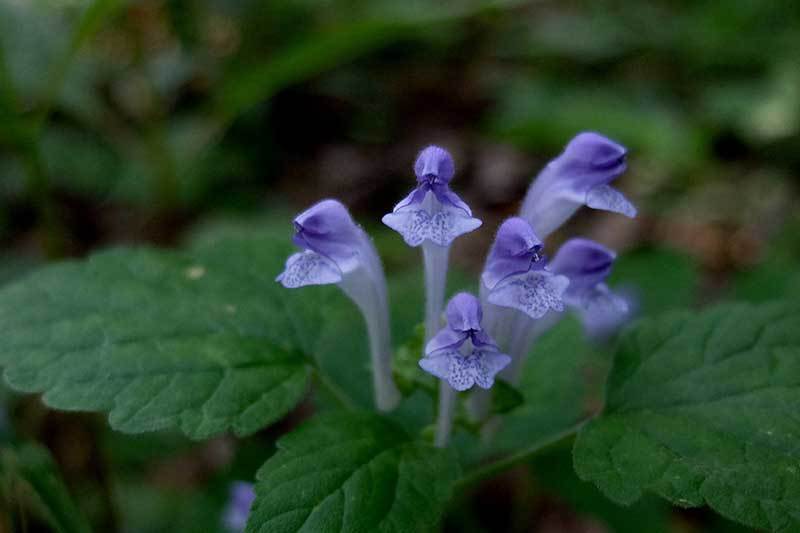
x,y
163,121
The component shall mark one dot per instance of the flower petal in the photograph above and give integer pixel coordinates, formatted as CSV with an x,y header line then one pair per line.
x,y
435,164
602,311
446,196
417,196
464,312
446,338
441,228
589,162
328,229
534,293
438,364
309,268
585,262
463,371
486,365
607,198
515,250
457,370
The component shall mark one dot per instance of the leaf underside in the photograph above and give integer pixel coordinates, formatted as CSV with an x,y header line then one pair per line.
x,y
703,409
205,340
352,472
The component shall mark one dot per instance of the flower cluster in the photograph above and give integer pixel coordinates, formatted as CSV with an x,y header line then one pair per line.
x,y
522,294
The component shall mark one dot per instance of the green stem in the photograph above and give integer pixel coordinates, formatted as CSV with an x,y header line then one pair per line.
x,y
495,467
334,390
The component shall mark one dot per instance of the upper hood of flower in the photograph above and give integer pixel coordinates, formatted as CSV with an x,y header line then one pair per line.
x,y
585,262
516,249
434,165
464,315
592,159
327,228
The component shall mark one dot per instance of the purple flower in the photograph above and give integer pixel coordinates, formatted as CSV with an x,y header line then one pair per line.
x,y
579,176
587,264
432,212
462,353
337,251
331,243
240,500
515,274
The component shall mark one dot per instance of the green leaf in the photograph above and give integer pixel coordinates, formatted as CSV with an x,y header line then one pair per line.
x,y
505,398
33,466
354,473
702,409
561,385
205,341
552,471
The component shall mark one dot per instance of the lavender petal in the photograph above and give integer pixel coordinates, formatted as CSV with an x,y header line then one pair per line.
x,y
607,198
441,227
534,293
309,268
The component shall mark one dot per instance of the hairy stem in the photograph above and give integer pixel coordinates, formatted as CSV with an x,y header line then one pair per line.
x,y
361,288
435,261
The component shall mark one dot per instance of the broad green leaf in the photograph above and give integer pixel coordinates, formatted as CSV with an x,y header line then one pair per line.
x,y
32,466
204,340
702,409
561,385
354,473
552,471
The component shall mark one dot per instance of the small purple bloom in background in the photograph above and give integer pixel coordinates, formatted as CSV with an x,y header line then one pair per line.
x,y
462,353
587,264
432,212
516,276
240,500
579,176
337,251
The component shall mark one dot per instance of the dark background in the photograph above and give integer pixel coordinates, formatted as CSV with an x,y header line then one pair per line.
x,y
158,121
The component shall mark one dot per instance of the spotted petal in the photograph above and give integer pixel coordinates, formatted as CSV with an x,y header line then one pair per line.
x,y
309,268
607,198
534,293
416,224
438,363
489,364
462,372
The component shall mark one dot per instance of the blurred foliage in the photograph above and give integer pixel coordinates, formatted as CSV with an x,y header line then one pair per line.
x,y
29,477
164,121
